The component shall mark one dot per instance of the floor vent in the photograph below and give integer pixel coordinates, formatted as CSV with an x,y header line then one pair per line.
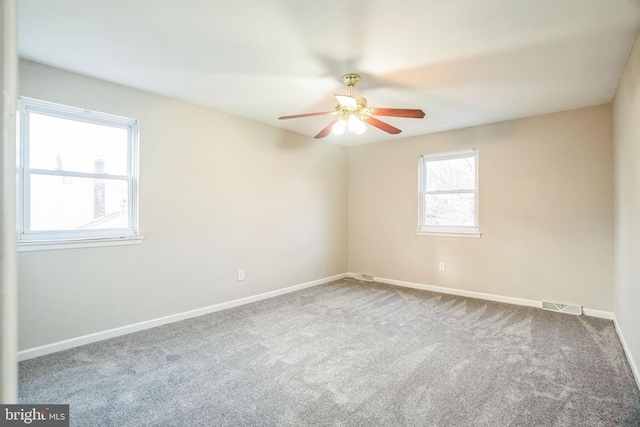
x,y
562,308
365,277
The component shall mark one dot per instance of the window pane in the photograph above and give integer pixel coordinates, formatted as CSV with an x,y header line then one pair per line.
x,y
62,144
72,203
456,210
452,174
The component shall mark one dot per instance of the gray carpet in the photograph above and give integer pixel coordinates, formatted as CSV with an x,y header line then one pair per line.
x,y
349,353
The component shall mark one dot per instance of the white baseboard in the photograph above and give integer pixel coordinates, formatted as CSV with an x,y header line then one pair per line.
x,y
632,363
111,333
598,313
480,295
462,293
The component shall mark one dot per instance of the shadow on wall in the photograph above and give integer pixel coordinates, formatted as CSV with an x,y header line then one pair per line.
x,y
287,140
484,135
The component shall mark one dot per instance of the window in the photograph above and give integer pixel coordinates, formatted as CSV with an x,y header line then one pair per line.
x,y
78,178
448,185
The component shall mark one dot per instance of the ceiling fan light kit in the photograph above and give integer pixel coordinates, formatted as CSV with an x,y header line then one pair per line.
x,y
353,113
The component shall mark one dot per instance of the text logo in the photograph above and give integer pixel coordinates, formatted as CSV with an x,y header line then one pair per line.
x,y
34,415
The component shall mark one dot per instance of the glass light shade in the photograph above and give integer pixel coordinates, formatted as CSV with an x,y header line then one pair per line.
x,y
339,127
356,125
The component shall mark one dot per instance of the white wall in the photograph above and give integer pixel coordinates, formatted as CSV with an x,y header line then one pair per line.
x,y
8,288
626,121
546,211
217,193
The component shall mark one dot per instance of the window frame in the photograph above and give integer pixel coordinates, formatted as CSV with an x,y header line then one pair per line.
x,y
439,230
60,239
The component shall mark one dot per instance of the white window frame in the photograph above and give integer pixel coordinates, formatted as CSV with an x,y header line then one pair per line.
x,y
446,231
28,239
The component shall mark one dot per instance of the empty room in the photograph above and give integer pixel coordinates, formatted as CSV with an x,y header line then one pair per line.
x,y
303,213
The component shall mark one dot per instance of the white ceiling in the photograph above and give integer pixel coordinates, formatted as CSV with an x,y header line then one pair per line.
x,y
463,62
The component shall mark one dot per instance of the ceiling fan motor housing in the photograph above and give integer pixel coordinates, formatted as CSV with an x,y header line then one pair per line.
x,y
360,104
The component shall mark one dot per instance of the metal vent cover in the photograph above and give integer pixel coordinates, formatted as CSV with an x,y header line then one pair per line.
x,y
365,277
562,308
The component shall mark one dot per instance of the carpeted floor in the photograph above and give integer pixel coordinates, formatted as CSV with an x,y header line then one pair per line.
x,y
349,353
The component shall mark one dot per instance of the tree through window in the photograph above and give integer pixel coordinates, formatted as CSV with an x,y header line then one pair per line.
x,y
449,192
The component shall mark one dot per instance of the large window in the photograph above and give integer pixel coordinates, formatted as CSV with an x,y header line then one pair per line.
x,y
448,189
78,177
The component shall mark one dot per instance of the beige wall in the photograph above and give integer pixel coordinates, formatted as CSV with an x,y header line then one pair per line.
x,y
217,193
546,210
626,121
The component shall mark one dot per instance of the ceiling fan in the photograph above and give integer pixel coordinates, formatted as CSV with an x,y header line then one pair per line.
x,y
353,113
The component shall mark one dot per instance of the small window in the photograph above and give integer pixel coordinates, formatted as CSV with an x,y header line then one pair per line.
x,y
77,174
449,193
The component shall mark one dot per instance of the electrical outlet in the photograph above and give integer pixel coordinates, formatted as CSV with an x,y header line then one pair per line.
x,y
241,274
441,266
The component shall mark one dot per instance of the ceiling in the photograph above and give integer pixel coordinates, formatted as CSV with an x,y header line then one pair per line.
x,y
463,62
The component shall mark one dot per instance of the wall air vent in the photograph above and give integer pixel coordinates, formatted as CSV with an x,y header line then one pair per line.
x,y
562,308
365,277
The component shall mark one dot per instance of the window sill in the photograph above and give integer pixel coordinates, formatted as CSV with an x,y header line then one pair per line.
x,y
30,246
467,234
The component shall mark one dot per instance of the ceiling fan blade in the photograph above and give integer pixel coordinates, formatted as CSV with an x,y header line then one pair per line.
x,y
398,112
326,130
381,125
298,116
347,101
